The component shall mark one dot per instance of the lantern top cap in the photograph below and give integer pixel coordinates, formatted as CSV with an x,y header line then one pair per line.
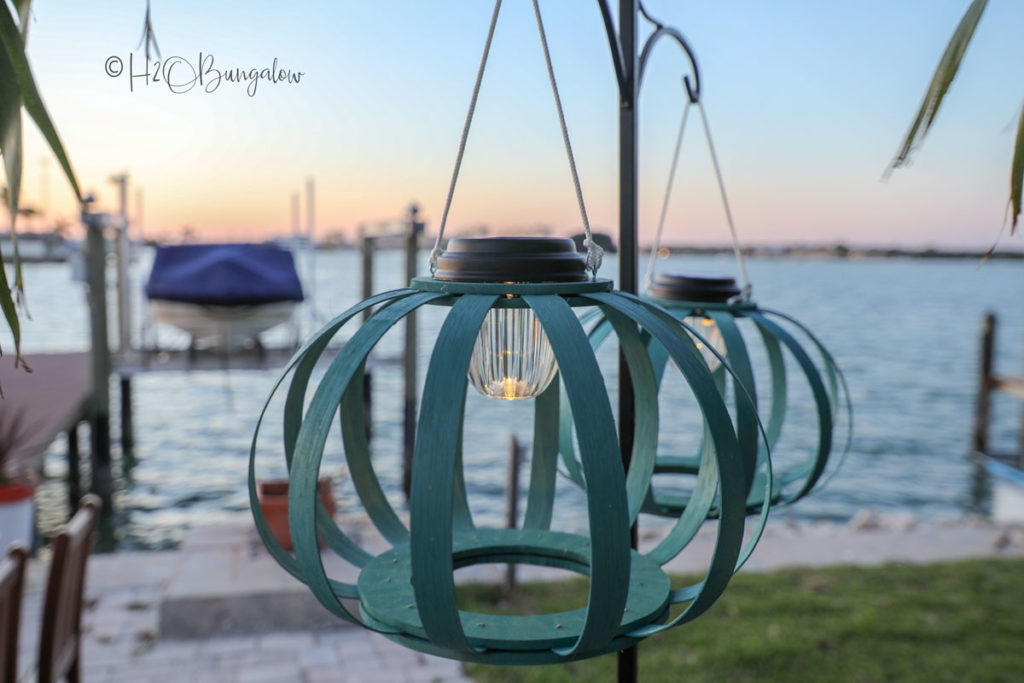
x,y
697,288
511,259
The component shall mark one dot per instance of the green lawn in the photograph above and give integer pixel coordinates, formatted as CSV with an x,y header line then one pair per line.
x,y
947,622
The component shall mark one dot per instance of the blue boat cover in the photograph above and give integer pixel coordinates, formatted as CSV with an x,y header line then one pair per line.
x,y
224,274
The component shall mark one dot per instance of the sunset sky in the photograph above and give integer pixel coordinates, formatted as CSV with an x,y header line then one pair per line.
x,y
807,100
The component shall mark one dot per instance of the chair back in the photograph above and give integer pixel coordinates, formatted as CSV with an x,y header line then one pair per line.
x,y
12,582
60,638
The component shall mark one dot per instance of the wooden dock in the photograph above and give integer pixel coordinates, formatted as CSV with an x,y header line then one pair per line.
x,y
991,382
45,403
186,360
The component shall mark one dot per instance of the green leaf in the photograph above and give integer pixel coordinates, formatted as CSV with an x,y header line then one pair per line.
x,y
24,8
14,48
1017,172
945,72
10,148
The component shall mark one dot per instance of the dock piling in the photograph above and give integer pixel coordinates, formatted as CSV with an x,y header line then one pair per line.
x,y
979,434
515,458
412,238
99,414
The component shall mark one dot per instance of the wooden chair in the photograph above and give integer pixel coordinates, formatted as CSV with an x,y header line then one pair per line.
x,y
12,581
60,638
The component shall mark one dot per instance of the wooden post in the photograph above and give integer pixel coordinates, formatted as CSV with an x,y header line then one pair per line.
x,y
515,455
979,434
366,245
74,474
412,238
99,418
127,420
368,402
123,250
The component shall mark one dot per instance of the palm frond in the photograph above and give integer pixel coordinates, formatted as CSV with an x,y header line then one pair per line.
x,y
1017,172
14,48
10,149
944,74
18,90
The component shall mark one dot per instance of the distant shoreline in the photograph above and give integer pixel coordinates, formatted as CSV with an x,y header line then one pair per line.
x,y
838,251
833,251
841,251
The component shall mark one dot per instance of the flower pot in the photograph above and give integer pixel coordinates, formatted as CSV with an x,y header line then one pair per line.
x,y
273,498
17,518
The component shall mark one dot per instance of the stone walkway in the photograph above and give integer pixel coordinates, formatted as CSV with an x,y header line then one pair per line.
x,y
214,610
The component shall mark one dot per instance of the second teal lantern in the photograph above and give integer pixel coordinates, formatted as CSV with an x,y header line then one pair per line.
x,y
715,312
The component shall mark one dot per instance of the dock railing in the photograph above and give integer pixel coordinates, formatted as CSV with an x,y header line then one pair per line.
x,y
990,382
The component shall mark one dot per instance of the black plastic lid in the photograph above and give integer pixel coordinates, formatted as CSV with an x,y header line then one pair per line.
x,y
511,259
693,288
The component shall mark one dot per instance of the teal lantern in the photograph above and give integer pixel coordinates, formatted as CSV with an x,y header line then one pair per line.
x,y
725,325
512,330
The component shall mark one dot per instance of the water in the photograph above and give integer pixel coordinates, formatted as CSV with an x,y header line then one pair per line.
x,y
906,333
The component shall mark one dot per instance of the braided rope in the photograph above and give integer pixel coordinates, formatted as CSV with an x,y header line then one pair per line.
x,y
595,253
746,289
436,251
649,276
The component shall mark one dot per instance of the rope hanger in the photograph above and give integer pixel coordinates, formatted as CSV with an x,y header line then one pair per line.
x,y
594,252
745,289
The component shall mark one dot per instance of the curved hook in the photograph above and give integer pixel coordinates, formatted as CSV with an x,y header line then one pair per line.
x,y
692,89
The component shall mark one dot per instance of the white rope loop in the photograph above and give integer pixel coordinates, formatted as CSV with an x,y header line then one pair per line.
x,y
745,288
649,277
595,254
436,251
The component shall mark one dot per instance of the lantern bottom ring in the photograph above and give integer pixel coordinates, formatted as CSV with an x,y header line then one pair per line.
x,y
387,598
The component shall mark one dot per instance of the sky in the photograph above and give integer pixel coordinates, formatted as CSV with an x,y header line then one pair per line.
x,y
807,101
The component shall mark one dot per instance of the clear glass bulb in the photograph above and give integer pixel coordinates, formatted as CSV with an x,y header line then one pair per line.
x,y
707,328
512,358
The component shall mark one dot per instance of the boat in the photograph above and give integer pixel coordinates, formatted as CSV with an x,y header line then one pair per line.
x,y
1007,490
36,247
223,295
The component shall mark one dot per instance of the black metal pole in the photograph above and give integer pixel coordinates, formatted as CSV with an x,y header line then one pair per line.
x,y
627,659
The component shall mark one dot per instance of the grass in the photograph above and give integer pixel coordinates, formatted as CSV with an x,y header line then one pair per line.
x,y
946,622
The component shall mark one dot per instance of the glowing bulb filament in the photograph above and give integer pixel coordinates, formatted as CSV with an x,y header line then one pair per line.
x,y
707,328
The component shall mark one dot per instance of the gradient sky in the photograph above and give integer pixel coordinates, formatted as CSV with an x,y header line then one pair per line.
x,y
807,100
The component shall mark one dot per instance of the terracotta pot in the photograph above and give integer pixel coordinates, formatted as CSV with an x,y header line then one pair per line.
x,y
273,497
17,521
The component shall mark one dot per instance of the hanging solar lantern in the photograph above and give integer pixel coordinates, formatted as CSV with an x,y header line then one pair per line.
x,y
716,303
715,315
512,328
511,320
715,310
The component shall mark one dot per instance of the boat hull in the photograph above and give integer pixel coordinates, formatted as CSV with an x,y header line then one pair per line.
x,y
212,326
1007,491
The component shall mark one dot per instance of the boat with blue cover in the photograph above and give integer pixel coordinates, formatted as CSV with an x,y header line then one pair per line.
x,y
223,295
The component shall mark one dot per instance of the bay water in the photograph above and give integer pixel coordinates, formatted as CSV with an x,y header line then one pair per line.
x,y
906,333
